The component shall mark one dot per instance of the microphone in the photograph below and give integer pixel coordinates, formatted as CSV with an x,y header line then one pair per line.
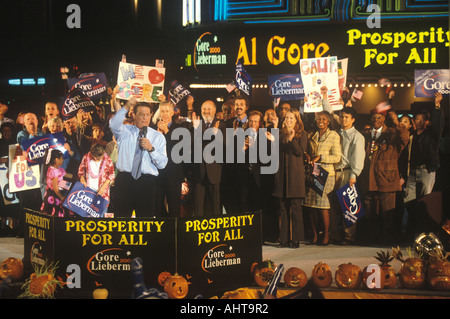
x,y
142,133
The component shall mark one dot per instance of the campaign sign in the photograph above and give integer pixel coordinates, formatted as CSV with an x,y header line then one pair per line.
x,y
350,203
93,253
35,148
212,250
243,80
317,73
428,82
92,84
8,198
145,83
22,176
177,92
85,202
74,101
286,86
316,177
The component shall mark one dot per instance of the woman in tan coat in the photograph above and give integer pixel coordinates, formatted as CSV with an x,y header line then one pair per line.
x,y
324,147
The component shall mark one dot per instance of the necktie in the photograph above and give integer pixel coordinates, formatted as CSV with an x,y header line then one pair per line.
x,y
137,160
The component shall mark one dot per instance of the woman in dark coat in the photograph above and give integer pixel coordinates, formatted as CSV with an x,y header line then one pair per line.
x,y
289,181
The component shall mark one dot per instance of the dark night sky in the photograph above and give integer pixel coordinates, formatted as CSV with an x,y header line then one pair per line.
x,y
35,40
35,36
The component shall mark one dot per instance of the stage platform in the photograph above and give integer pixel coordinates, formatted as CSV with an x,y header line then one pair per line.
x,y
304,258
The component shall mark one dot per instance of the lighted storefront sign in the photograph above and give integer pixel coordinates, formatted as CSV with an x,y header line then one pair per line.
x,y
395,47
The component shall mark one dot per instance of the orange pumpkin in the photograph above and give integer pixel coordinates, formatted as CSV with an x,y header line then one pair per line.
x,y
163,277
412,273
348,276
439,274
263,272
11,267
176,287
42,286
377,282
321,275
390,279
295,278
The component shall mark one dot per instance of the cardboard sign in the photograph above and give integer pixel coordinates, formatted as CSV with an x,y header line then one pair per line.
x,y
85,202
35,148
316,177
428,82
177,92
74,101
213,250
22,177
243,80
350,203
93,85
342,74
8,198
145,83
317,73
286,86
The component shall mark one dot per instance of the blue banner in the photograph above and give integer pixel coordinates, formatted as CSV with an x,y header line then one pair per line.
x,y
177,92
74,101
351,204
36,147
243,80
428,82
286,86
92,84
85,202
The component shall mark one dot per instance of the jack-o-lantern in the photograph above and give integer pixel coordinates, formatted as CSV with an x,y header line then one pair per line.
x,y
11,267
371,280
321,275
295,278
163,277
438,274
176,287
263,272
348,276
390,279
412,272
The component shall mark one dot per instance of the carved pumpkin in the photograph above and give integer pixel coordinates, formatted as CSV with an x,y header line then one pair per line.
x,y
390,279
377,282
348,276
176,287
412,273
321,275
295,278
263,272
11,267
439,274
163,277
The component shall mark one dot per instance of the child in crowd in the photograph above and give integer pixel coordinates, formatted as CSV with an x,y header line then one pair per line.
x,y
97,171
97,135
54,175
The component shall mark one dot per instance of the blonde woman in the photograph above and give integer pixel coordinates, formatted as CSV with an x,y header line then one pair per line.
x,y
289,181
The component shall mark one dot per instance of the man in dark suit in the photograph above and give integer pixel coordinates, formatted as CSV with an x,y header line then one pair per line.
x,y
231,182
207,172
172,176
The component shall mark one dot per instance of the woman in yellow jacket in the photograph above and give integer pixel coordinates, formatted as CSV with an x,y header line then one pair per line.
x,y
324,148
